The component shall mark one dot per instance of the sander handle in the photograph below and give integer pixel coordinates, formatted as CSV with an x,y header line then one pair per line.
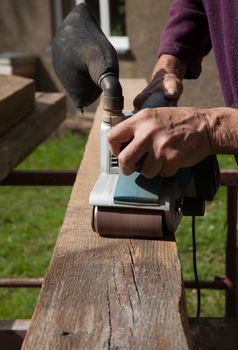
x,y
158,99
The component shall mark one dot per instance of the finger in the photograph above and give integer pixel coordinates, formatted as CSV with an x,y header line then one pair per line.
x,y
118,135
172,87
152,166
129,158
172,162
173,159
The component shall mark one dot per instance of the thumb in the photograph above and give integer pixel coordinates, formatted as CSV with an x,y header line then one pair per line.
x,y
172,87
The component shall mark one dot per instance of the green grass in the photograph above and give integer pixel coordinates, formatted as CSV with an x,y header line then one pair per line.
x,y
30,221
30,218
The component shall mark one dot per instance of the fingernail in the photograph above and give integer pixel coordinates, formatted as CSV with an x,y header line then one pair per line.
x,y
170,91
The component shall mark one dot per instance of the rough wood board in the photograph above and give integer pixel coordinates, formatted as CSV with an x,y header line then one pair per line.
x,y
32,130
102,293
17,99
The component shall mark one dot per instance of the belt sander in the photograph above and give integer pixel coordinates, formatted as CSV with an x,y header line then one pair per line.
x,y
134,206
129,206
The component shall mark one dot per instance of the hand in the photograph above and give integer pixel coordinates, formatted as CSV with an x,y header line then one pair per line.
x,y
167,77
162,140
81,55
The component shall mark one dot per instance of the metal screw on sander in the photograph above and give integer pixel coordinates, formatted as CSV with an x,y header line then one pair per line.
x,y
190,206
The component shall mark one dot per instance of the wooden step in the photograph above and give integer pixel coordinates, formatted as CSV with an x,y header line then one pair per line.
x,y
18,63
17,99
32,130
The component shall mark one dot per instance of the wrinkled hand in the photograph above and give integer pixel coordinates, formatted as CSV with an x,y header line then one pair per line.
x,y
162,140
167,77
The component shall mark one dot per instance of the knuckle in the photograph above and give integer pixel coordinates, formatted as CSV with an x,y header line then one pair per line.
x,y
124,162
121,160
124,157
144,113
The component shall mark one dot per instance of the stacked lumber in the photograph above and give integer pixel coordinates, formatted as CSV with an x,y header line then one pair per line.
x,y
17,99
27,119
18,63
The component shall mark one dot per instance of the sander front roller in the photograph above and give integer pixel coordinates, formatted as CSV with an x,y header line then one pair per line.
x,y
128,222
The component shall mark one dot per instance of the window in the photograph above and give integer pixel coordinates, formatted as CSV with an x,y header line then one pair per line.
x,y
112,18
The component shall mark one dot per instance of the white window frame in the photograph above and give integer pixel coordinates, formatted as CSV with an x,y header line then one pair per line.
x,y
121,43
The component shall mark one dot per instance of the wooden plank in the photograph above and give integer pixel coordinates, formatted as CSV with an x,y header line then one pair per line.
x,y
22,139
17,99
18,63
102,293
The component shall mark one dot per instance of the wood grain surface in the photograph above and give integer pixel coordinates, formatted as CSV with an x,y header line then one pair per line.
x,y
17,99
102,293
29,132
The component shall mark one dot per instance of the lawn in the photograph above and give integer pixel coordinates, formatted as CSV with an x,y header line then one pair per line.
x,y
31,218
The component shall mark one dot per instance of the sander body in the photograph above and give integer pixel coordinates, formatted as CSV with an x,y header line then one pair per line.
x,y
134,206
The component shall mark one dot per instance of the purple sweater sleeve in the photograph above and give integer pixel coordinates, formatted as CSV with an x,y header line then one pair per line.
x,y
187,35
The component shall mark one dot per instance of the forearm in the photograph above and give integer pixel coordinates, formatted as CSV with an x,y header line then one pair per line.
x,y
223,125
184,42
186,35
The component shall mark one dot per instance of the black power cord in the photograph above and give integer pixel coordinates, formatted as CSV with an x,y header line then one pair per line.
x,y
195,266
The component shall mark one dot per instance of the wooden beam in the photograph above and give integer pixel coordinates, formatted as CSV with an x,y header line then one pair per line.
x,y
32,130
102,293
229,177
17,99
